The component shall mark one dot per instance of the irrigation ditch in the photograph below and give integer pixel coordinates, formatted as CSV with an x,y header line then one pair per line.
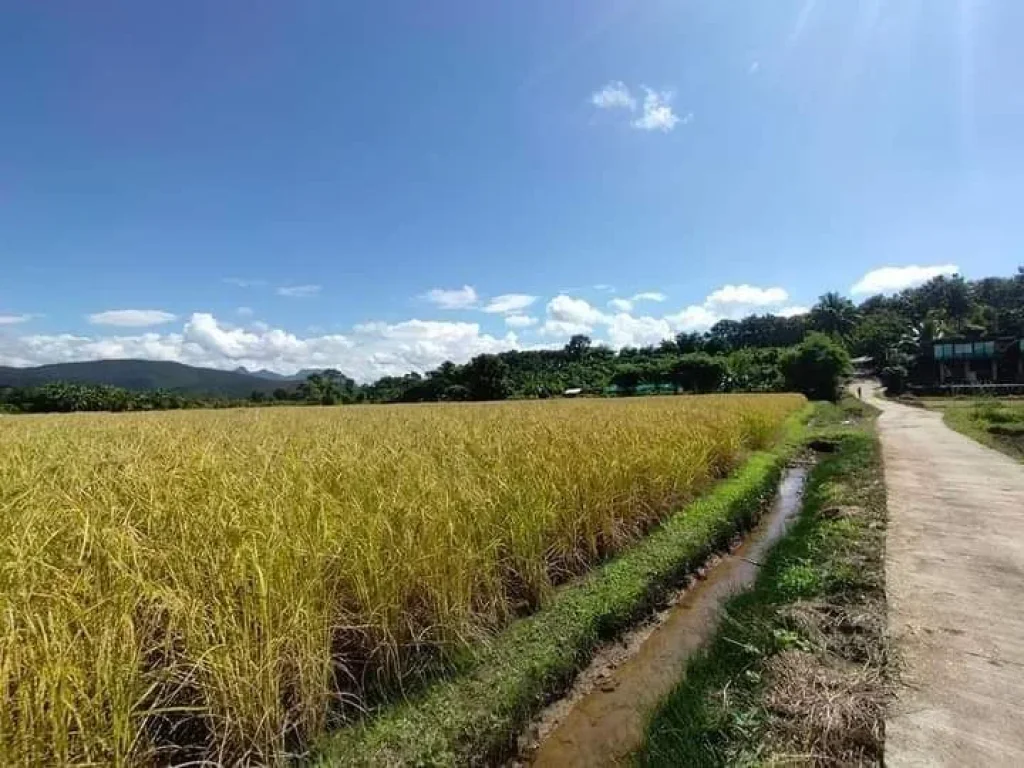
x,y
602,718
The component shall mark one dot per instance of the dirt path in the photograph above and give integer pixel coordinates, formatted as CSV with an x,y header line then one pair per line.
x,y
955,583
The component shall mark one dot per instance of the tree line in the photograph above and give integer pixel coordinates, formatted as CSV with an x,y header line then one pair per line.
x,y
759,353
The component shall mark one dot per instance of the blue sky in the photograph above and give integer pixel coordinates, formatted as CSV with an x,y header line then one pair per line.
x,y
309,183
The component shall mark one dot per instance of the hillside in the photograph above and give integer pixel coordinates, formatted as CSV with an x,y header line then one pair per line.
x,y
146,375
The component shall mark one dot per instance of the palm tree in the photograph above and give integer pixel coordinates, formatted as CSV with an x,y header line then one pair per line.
x,y
834,314
921,335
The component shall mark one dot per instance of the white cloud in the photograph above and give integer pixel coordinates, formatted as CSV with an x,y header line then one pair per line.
x,y
732,302
367,352
748,295
131,318
624,330
567,316
656,109
649,296
370,350
520,321
754,67
298,291
614,95
792,311
460,298
657,113
626,305
15,319
244,311
509,302
693,318
241,282
893,279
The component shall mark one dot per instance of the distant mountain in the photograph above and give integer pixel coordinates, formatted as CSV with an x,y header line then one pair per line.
x,y
148,375
263,373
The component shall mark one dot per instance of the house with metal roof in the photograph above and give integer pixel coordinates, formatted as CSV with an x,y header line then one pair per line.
x,y
978,362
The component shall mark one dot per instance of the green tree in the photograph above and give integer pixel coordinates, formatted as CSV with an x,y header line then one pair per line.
x,y
833,314
879,334
755,370
577,347
627,376
698,372
487,378
816,367
689,342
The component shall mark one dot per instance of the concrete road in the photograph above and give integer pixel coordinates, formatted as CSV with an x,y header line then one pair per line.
x,y
955,583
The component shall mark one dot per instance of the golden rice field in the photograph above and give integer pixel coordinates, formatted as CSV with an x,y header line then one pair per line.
x,y
186,584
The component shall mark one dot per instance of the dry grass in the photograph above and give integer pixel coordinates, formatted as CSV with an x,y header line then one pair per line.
x,y
215,584
827,711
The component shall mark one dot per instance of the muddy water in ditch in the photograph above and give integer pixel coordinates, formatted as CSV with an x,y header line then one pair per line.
x,y
602,719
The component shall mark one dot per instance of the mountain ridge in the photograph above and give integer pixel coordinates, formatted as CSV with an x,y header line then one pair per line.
x,y
147,375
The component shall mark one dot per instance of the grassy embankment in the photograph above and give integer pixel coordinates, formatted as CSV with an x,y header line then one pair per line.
x,y
797,674
996,423
230,586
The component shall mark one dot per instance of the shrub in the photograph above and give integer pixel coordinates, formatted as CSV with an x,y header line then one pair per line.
x,y
816,367
894,379
698,372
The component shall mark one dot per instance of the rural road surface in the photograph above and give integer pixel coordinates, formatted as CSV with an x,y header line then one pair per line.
x,y
955,583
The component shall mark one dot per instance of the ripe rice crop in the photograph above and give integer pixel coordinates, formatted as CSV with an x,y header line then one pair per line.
x,y
220,584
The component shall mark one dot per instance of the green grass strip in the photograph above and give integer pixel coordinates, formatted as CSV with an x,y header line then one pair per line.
x,y
991,423
475,716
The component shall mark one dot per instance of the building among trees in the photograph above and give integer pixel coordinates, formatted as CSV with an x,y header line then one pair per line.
x,y
985,360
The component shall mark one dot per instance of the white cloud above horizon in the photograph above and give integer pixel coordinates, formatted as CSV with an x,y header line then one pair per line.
x,y
793,311
15,319
614,95
649,296
520,321
895,279
626,305
567,315
298,291
368,351
509,303
458,298
373,349
658,114
241,282
747,295
131,318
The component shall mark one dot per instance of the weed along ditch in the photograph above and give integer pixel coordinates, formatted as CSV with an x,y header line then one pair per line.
x,y
603,717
